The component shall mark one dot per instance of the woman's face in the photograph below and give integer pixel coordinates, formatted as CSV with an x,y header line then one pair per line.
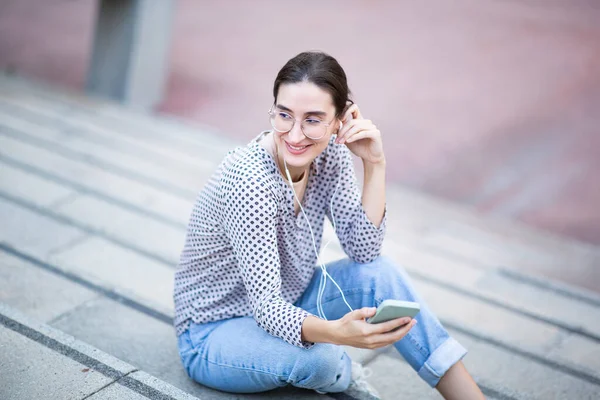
x,y
302,101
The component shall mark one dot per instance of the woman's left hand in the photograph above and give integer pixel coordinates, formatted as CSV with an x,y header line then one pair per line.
x,y
361,136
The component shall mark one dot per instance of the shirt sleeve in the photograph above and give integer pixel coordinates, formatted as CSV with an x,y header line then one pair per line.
x,y
361,240
250,222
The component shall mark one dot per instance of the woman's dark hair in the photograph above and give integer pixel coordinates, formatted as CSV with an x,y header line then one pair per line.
x,y
322,70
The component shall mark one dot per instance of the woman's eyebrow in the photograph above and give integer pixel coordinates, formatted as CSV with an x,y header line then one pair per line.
x,y
284,108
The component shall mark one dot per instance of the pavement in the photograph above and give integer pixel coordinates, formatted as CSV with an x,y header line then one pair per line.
x,y
93,196
65,367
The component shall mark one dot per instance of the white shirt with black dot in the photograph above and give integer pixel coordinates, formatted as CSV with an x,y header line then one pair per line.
x,y
247,252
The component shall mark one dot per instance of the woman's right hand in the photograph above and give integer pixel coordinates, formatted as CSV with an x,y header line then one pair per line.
x,y
353,330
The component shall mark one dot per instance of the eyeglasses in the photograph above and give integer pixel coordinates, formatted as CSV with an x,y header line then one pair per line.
x,y
312,127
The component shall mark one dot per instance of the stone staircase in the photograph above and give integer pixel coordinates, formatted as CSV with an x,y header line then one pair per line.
x,y
94,196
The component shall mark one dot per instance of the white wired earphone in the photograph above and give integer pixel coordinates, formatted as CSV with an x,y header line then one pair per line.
x,y
325,274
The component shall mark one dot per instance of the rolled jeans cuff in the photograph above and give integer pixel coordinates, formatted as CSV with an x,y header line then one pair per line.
x,y
440,361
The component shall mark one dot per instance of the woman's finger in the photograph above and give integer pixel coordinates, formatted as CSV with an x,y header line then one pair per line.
x,y
350,112
361,313
354,127
389,326
394,336
342,132
354,111
385,339
346,128
356,114
361,135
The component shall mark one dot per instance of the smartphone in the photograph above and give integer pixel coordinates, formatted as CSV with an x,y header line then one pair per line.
x,y
392,309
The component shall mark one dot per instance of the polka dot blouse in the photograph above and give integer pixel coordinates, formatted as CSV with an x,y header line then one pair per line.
x,y
247,252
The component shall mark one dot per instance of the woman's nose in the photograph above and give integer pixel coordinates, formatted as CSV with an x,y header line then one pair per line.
x,y
296,135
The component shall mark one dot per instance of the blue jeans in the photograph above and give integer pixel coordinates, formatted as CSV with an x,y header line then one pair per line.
x,y
236,355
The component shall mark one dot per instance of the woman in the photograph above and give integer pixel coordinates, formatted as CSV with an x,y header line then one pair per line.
x,y
247,293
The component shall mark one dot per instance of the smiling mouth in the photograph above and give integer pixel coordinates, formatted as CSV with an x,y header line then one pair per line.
x,y
297,149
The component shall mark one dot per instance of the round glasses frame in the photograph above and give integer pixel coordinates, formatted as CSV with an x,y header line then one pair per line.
x,y
272,119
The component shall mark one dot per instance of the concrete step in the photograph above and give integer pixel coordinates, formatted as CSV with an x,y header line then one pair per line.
x,y
64,198
438,225
520,378
453,235
40,362
177,179
21,100
106,111
90,315
154,239
436,269
78,175
80,109
43,114
117,323
444,227
488,324
22,119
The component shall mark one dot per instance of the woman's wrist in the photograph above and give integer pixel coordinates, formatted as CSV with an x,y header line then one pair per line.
x,y
373,193
379,164
317,330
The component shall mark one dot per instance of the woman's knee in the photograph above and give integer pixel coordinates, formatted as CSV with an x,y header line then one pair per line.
x,y
324,367
388,279
381,269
